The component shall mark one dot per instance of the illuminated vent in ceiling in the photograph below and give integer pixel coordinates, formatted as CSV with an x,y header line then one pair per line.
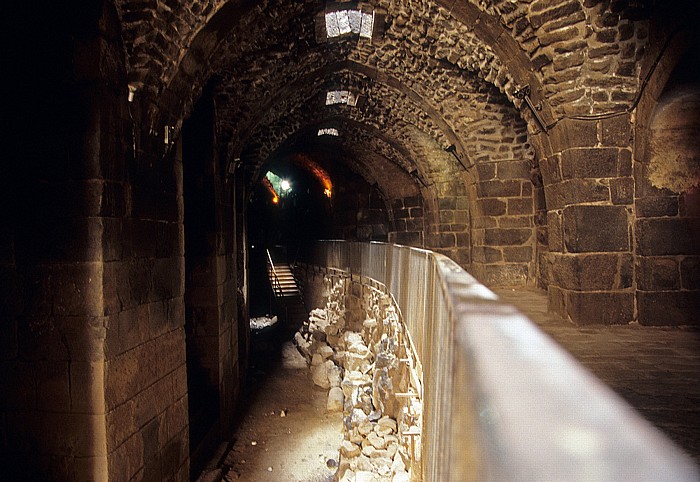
x,y
341,97
344,22
328,131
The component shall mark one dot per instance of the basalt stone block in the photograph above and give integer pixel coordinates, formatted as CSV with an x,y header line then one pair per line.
x,y
575,133
592,272
416,212
515,222
504,274
576,191
410,238
448,240
447,216
616,131
589,163
519,254
622,190
654,274
447,203
586,308
485,254
595,229
499,188
507,237
657,207
556,300
550,170
411,202
513,170
555,231
562,10
668,236
402,213
520,206
487,171
461,216
492,207
668,308
690,273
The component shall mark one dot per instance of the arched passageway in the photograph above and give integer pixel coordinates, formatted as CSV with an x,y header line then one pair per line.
x,y
546,144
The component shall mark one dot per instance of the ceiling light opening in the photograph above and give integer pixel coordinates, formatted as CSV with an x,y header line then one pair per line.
x,y
328,131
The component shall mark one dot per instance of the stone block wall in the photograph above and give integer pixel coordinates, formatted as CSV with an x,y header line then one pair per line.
x,y
408,217
212,319
667,195
589,192
359,212
504,239
145,377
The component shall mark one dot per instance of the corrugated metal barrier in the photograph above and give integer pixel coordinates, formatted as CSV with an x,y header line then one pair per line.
x,y
502,401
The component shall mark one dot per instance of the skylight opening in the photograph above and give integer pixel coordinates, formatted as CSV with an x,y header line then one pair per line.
x,y
344,22
341,97
328,131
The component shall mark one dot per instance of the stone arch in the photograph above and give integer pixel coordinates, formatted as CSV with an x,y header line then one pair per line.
x,y
667,180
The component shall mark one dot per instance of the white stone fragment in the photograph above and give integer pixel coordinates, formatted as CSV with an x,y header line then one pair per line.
x,y
377,441
349,449
335,400
401,477
335,374
386,425
319,375
365,428
326,352
364,476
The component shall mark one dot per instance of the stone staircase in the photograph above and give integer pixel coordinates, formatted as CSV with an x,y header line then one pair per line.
x,y
288,296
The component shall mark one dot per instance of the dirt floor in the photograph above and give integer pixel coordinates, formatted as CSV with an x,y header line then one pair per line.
x,y
286,433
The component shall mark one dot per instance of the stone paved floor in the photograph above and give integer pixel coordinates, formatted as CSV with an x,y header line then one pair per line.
x,y
656,369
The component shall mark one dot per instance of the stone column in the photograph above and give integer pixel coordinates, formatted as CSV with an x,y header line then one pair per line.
x,y
589,193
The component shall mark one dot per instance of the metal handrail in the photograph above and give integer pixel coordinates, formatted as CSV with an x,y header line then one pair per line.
x,y
502,401
276,285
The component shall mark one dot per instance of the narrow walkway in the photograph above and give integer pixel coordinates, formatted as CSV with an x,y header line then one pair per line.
x,y
655,369
286,433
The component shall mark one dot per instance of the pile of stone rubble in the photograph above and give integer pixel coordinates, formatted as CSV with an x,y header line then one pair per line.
x,y
360,353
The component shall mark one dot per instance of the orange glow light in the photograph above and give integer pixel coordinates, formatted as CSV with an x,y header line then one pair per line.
x,y
317,171
268,185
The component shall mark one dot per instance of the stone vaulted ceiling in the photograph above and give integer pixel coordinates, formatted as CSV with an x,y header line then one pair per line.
x,y
448,69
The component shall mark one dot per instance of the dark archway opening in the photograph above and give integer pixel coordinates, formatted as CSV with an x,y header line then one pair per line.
x,y
200,283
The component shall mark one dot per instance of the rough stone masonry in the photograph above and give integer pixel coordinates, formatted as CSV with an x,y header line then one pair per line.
x,y
359,350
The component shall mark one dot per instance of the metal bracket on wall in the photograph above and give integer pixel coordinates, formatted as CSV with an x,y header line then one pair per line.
x,y
452,149
523,93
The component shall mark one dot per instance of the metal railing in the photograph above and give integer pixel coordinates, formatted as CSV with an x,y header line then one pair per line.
x,y
274,280
501,400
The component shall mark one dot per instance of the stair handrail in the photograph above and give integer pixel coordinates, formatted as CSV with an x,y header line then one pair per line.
x,y
276,285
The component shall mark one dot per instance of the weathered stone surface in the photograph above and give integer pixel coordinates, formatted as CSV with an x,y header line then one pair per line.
x,y
658,273
667,236
595,228
576,191
668,307
656,207
335,400
507,237
690,273
586,308
349,449
589,162
592,272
